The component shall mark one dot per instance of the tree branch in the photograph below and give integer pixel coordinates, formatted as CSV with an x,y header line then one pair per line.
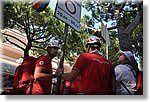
x,y
26,28
15,38
14,44
39,47
39,41
45,36
19,24
113,27
135,23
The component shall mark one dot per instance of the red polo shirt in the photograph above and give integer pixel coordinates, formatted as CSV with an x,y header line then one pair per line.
x,y
96,74
44,86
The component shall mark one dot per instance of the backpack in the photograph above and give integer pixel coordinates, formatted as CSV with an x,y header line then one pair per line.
x,y
139,81
23,77
139,84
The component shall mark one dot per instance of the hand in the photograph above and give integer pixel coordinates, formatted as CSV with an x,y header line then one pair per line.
x,y
59,71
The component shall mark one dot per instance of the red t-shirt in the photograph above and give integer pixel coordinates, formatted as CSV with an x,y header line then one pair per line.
x,y
96,74
44,86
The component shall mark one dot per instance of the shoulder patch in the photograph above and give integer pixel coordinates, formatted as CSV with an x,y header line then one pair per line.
x,y
41,63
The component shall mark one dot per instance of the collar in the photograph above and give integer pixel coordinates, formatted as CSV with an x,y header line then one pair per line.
x,y
95,51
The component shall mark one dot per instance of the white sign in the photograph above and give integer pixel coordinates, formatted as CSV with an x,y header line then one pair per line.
x,y
69,11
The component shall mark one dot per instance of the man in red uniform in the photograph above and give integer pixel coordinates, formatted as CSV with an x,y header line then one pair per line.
x,y
43,70
97,76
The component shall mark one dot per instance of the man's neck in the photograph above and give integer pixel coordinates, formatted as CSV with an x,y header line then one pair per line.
x,y
50,57
95,51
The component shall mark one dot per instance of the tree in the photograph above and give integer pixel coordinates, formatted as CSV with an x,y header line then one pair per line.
x,y
38,27
127,18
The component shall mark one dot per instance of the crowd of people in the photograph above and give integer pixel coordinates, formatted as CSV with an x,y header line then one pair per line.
x,y
92,74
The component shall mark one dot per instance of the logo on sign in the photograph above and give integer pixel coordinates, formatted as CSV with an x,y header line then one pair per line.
x,y
70,6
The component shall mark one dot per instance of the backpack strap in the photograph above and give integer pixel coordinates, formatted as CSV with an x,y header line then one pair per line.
x,y
132,70
125,87
134,73
31,85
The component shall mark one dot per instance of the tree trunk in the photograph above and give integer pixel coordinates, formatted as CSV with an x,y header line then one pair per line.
x,y
28,47
124,37
26,53
124,34
124,41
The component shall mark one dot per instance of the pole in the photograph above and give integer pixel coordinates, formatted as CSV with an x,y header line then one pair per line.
x,y
106,51
107,41
62,59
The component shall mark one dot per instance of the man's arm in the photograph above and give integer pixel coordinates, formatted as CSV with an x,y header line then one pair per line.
x,y
70,76
40,75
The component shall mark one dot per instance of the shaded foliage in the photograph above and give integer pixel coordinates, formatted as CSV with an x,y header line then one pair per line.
x,y
127,19
38,27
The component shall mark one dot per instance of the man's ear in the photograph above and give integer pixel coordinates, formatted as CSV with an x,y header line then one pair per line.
x,y
88,48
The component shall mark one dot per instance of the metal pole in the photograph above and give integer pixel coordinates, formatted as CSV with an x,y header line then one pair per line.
x,y
106,51
62,59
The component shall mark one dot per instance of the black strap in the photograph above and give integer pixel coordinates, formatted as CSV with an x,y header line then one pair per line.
x,y
31,85
132,70
125,87
134,73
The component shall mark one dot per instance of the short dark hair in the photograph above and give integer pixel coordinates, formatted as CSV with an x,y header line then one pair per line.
x,y
94,46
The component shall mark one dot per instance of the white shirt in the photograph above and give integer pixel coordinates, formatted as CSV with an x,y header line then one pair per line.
x,y
124,74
